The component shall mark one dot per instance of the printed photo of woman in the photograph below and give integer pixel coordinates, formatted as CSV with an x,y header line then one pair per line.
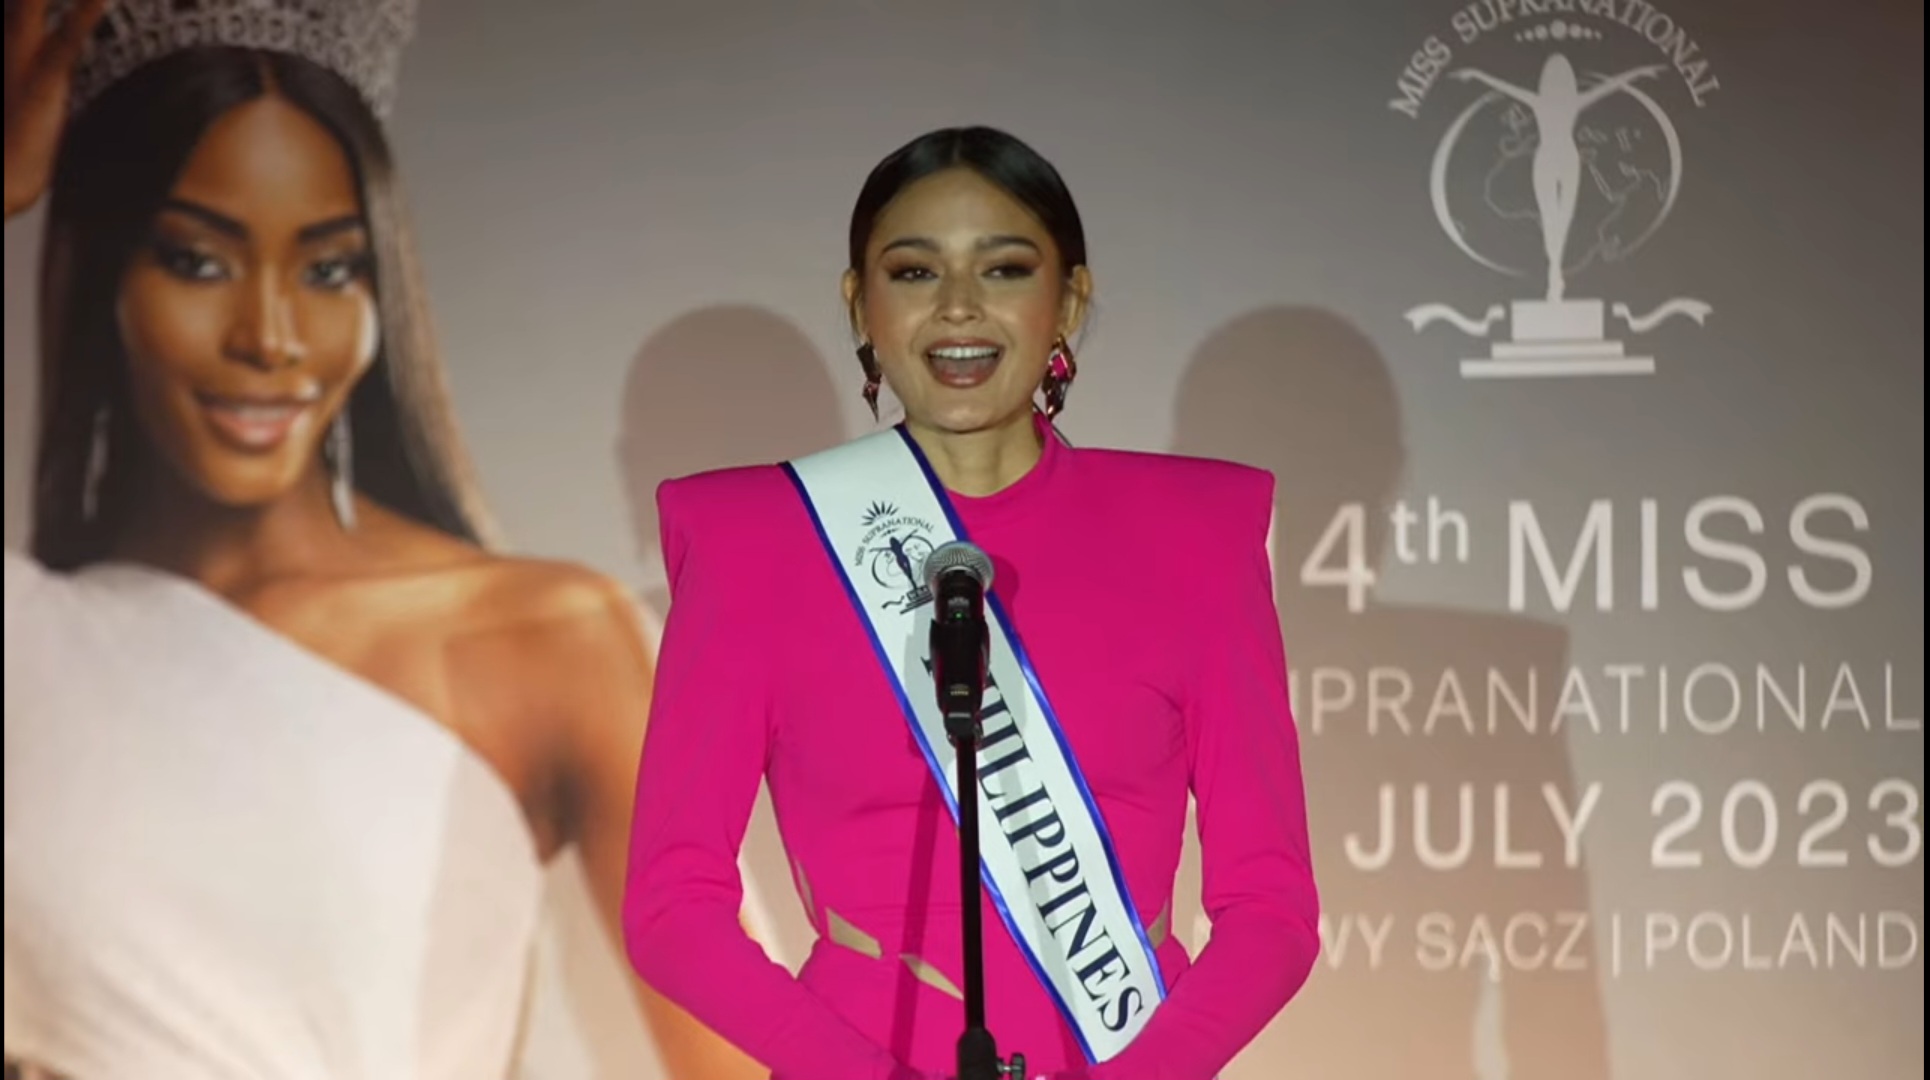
x,y
289,742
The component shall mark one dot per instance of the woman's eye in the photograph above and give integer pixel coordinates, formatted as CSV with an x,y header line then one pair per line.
x,y
337,273
187,263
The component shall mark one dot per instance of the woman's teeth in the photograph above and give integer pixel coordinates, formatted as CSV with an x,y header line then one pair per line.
x,y
964,366
965,352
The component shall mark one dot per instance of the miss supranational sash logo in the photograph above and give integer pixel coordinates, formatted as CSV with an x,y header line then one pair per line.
x,y
893,547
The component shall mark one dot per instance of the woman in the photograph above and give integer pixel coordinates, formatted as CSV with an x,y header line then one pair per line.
x,y
1143,660
287,750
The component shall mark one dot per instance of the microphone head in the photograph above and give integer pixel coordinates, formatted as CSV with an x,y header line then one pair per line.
x,y
955,557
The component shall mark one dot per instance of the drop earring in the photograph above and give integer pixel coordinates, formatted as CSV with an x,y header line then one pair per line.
x,y
1060,369
341,465
97,449
873,377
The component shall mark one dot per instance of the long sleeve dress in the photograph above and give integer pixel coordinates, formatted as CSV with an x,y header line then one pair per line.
x,y
1140,585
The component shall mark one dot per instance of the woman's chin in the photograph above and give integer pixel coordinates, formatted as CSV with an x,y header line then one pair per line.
x,y
965,417
250,483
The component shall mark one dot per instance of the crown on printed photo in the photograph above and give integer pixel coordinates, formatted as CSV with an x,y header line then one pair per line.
x,y
360,40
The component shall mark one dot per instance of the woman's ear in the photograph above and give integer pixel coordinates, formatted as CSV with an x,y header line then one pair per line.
x,y
850,286
1076,303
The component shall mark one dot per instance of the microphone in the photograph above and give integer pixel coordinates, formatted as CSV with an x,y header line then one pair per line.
x,y
958,575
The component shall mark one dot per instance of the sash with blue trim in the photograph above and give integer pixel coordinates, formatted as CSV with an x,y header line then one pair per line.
x,y
1047,860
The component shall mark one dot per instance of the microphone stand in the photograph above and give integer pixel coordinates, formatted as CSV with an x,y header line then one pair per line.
x,y
978,1057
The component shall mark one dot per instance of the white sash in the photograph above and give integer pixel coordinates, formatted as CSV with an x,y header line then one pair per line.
x,y
1046,859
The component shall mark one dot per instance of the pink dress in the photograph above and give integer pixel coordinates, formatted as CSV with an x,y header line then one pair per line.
x,y
1141,587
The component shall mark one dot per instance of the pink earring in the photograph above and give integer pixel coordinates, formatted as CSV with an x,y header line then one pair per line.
x,y
1060,369
873,377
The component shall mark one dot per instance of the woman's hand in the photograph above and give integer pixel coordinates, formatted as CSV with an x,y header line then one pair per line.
x,y
40,74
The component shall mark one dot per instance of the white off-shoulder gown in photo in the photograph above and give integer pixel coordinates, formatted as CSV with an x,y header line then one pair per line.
x,y
229,859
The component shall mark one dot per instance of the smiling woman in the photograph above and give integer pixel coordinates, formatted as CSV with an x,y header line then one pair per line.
x,y
225,230
247,317
967,272
288,746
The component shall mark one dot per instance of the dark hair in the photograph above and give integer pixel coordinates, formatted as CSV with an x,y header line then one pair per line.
x,y
993,154
118,160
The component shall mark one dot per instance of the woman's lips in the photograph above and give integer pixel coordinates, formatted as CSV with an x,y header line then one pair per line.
x,y
256,425
965,362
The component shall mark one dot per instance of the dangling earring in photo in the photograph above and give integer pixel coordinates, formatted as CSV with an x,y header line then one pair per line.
x,y
97,449
340,456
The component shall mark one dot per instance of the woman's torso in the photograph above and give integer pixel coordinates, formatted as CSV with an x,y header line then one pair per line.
x,y
1096,588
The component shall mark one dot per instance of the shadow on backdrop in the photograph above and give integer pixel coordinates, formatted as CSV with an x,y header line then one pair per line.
x,y
716,387
1415,982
